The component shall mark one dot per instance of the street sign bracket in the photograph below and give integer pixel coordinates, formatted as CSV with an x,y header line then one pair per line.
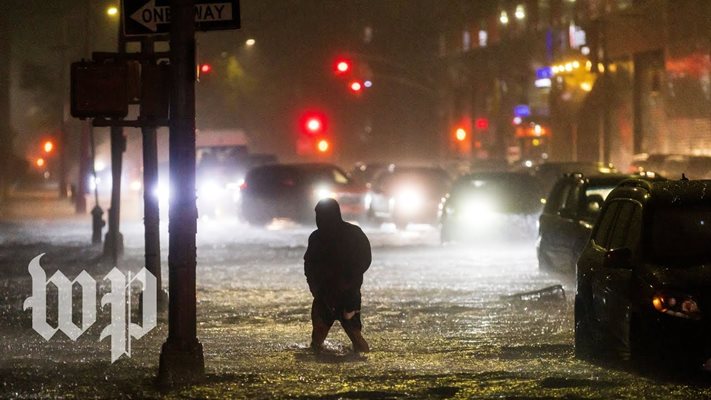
x,y
125,123
108,56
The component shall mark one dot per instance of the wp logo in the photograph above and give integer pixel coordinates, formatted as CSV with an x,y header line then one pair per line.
x,y
121,329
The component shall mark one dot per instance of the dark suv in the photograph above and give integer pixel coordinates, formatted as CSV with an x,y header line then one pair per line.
x,y
568,217
644,278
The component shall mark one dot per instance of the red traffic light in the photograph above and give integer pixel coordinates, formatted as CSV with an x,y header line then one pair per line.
x,y
482,123
313,123
342,66
356,86
205,68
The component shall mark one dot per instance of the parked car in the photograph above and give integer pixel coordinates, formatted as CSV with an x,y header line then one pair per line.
x,y
673,165
491,205
550,172
644,162
406,195
694,167
292,191
644,277
571,208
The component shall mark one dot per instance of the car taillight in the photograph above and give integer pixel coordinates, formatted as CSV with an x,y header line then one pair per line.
x,y
243,186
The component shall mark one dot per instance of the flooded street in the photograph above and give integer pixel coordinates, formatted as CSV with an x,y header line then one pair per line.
x,y
440,320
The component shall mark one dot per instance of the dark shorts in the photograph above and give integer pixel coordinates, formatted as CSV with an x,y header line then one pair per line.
x,y
322,312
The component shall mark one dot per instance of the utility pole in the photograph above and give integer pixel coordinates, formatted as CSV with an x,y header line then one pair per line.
x,y
181,360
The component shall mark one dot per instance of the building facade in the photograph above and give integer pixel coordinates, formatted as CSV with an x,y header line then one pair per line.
x,y
600,80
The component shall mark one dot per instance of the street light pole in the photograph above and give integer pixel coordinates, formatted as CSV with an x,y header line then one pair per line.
x,y
181,359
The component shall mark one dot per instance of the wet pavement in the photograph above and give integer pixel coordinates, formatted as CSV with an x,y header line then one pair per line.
x,y
440,321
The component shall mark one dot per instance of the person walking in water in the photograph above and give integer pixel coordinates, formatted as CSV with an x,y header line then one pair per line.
x,y
337,256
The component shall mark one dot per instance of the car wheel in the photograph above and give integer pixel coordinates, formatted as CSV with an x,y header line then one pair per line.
x,y
640,348
584,348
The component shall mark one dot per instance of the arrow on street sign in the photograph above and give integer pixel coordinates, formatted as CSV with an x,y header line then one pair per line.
x,y
153,17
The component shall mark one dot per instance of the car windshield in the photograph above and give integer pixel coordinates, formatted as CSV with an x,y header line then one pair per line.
x,y
512,193
323,175
432,180
680,236
601,191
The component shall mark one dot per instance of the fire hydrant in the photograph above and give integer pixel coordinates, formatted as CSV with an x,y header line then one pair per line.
x,y
97,224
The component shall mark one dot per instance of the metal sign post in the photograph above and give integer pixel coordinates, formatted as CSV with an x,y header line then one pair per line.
x,y
181,359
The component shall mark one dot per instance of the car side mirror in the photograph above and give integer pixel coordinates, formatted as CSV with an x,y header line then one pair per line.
x,y
618,258
593,206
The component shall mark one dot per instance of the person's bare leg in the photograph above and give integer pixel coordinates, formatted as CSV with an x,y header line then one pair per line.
x,y
359,343
318,335
353,331
319,329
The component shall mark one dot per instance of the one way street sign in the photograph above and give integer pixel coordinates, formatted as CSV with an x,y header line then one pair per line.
x,y
152,17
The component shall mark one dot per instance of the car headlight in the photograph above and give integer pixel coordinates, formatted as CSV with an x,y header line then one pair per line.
x,y
480,210
136,185
409,200
323,193
676,305
162,193
209,189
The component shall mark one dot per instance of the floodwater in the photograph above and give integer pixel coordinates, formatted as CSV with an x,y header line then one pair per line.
x,y
440,320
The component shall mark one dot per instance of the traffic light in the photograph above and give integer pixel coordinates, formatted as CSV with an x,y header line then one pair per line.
x,y
461,142
100,90
460,134
342,66
482,124
323,146
203,69
48,146
314,139
313,123
356,87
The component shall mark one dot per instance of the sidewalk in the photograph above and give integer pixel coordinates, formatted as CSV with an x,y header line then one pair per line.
x,y
36,202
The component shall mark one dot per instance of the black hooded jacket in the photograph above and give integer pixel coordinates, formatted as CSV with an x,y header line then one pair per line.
x,y
337,256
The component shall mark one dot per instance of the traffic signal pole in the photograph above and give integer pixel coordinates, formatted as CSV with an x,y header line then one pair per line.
x,y
181,359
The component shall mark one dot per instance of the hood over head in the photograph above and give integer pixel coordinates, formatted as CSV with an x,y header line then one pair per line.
x,y
328,214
